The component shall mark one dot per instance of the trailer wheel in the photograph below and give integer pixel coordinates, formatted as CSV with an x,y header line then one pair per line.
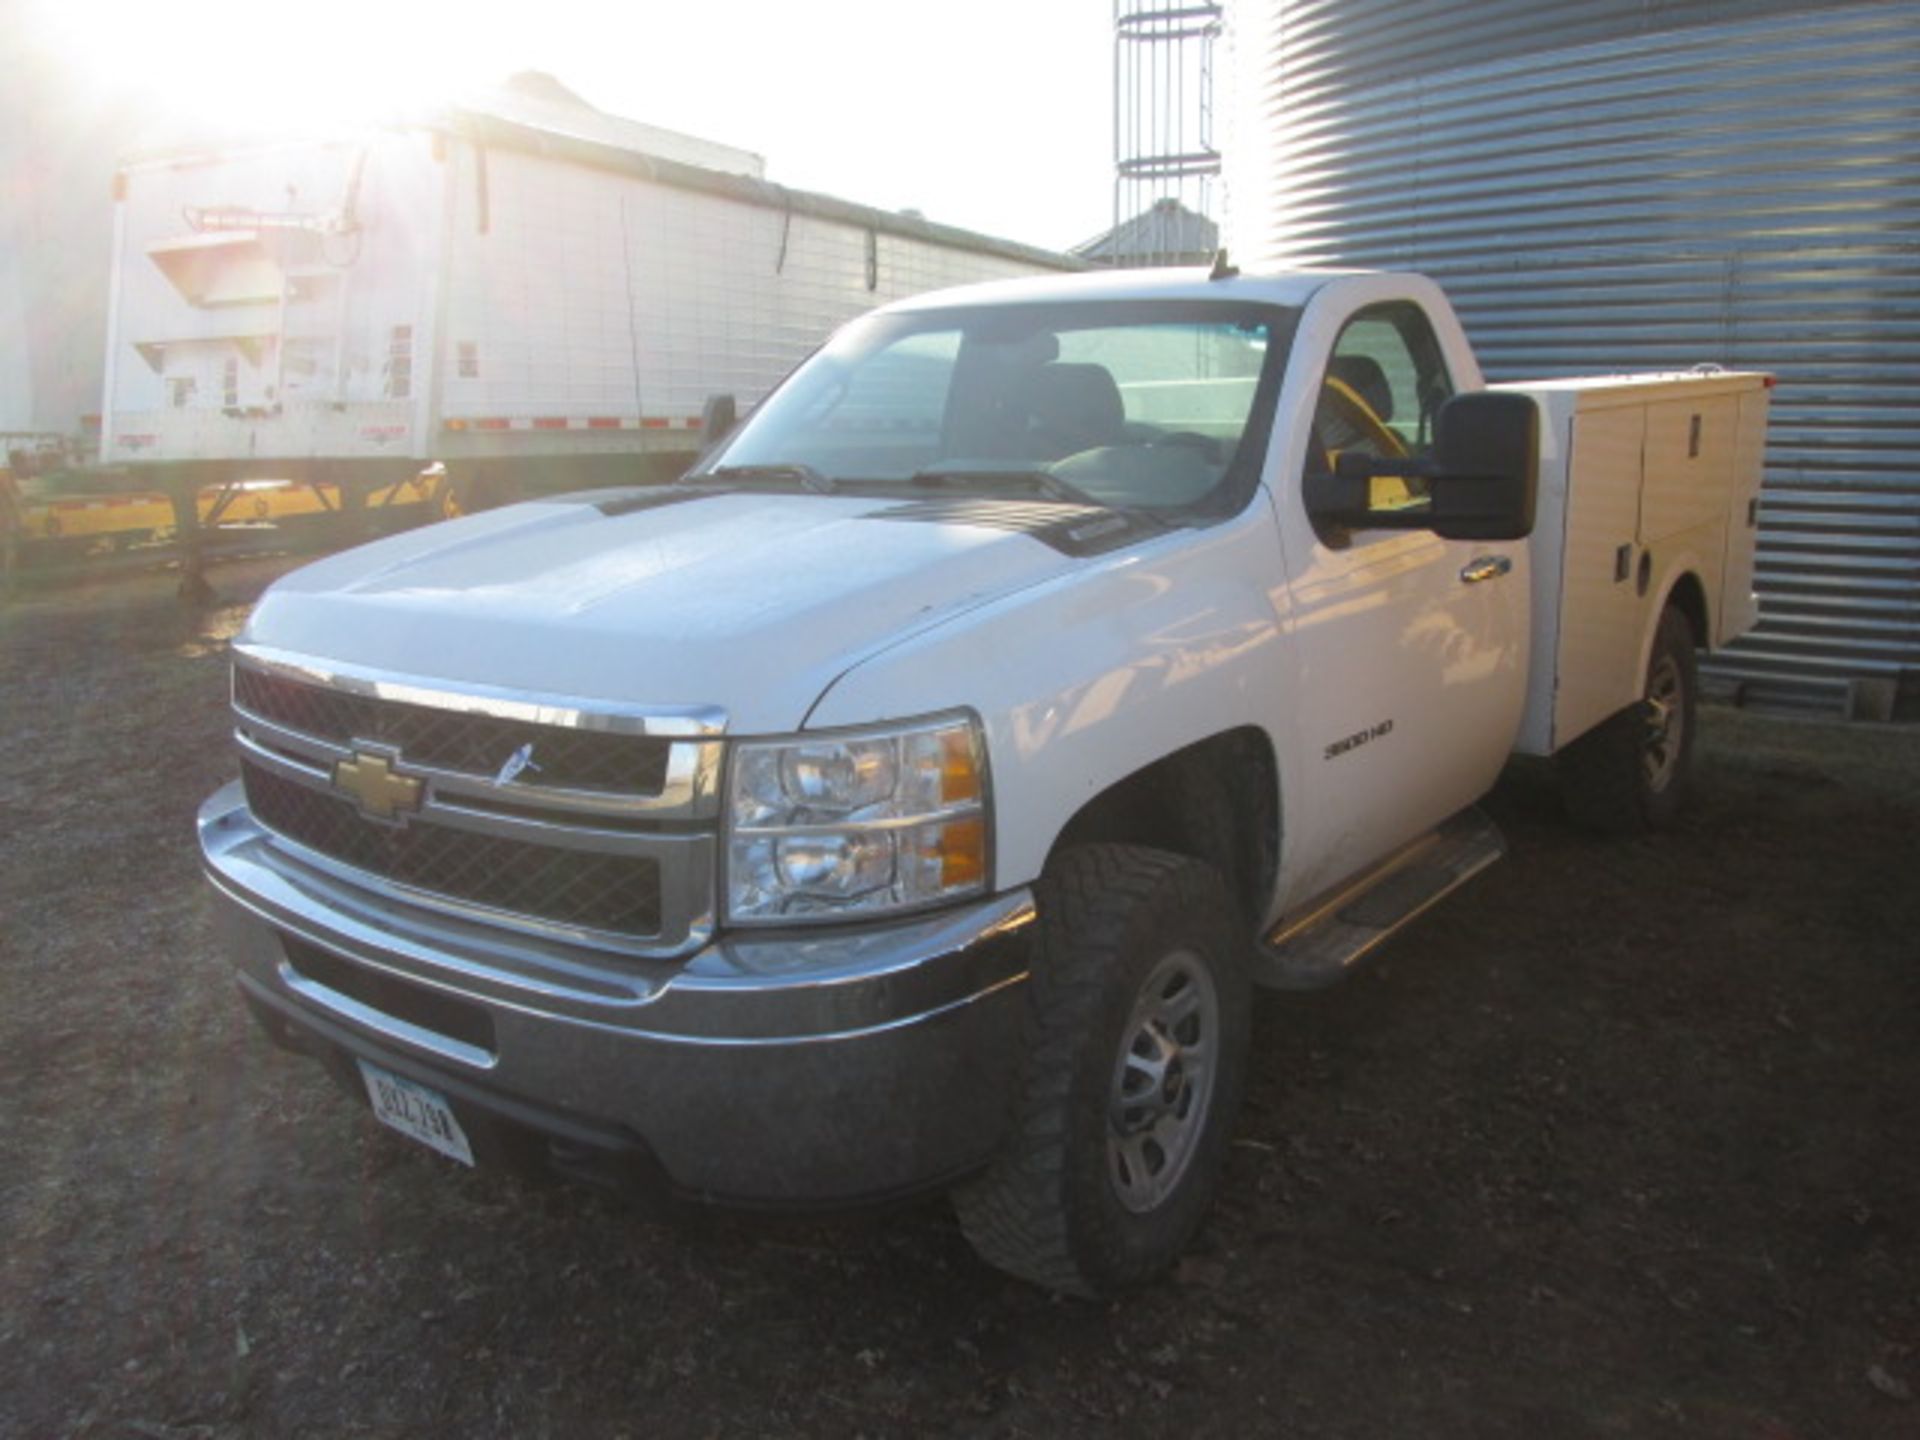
x,y
1632,774
1136,1056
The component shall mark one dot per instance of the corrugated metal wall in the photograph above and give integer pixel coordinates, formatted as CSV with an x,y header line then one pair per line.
x,y
1626,184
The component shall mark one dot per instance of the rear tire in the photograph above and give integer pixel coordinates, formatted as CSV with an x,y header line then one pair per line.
x,y
1136,1057
1632,773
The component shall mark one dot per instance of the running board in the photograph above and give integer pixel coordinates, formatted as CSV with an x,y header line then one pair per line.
x,y
1319,944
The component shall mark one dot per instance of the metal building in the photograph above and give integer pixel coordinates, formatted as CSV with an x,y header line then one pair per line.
x,y
1638,184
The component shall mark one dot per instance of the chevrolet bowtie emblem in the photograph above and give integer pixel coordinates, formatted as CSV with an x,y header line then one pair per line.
x,y
382,794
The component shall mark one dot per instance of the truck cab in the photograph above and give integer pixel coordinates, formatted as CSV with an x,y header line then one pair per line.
x,y
912,794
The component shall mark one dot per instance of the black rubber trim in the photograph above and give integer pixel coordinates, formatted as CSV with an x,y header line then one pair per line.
x,y
431,1010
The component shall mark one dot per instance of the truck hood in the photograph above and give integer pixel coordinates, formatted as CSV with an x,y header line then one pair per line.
x,y
753,603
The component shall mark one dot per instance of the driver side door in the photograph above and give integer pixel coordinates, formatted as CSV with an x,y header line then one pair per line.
x,y
1411,649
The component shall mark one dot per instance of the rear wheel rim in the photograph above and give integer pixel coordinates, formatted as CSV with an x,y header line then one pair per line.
x,y
1666,724
1163,1082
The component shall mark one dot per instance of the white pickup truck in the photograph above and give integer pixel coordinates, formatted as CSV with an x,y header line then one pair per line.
x,y
912,795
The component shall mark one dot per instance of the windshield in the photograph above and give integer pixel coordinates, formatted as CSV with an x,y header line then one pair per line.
x,y
1147,404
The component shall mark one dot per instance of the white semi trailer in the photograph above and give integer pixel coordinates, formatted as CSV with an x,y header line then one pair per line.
x,y
530,291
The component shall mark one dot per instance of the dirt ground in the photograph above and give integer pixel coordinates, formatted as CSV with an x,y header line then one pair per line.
x,y
1623,1141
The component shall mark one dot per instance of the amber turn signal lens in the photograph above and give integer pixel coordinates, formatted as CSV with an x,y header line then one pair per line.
x,y
963,853
959,768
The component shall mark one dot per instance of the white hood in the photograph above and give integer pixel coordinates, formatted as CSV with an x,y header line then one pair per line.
x,y
754,603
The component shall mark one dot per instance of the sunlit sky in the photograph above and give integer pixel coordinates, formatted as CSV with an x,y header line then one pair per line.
x,y
991,114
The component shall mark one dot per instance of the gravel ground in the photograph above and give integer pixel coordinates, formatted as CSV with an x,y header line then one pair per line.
x,y
1621,1141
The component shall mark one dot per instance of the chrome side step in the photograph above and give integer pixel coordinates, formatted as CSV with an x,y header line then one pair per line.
x,y
1321,942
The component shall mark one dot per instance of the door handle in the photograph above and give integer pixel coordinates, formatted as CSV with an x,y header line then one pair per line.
x,y
1487,567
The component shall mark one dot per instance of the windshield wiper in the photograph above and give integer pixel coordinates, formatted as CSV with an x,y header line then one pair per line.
x,y
1042,482
794,470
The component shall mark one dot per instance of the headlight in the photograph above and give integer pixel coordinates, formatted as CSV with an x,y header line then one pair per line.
x,y
856,823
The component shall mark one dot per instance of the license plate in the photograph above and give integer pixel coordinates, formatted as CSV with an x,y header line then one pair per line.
x,y
416,1111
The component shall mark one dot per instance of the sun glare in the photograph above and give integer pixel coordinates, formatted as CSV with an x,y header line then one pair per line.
x,y
243,69
840,96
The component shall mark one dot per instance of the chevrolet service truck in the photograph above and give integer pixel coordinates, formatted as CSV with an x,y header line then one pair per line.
x,y
911,795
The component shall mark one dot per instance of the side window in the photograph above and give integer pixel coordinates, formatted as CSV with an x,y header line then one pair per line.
x,y
1385,382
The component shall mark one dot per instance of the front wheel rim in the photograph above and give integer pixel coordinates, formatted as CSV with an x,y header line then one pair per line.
x,y
1666,724
1163,1081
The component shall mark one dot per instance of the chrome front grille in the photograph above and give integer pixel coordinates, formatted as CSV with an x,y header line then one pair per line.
x,y
607,836
455,740
618,893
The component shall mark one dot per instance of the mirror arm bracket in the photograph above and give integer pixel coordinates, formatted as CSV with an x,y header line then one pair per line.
x,y
1330,493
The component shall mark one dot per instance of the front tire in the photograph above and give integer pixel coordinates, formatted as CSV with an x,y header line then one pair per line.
x,y
1632,773
1137,1051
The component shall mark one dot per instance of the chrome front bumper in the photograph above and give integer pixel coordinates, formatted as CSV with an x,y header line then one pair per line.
x,y
815,1067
